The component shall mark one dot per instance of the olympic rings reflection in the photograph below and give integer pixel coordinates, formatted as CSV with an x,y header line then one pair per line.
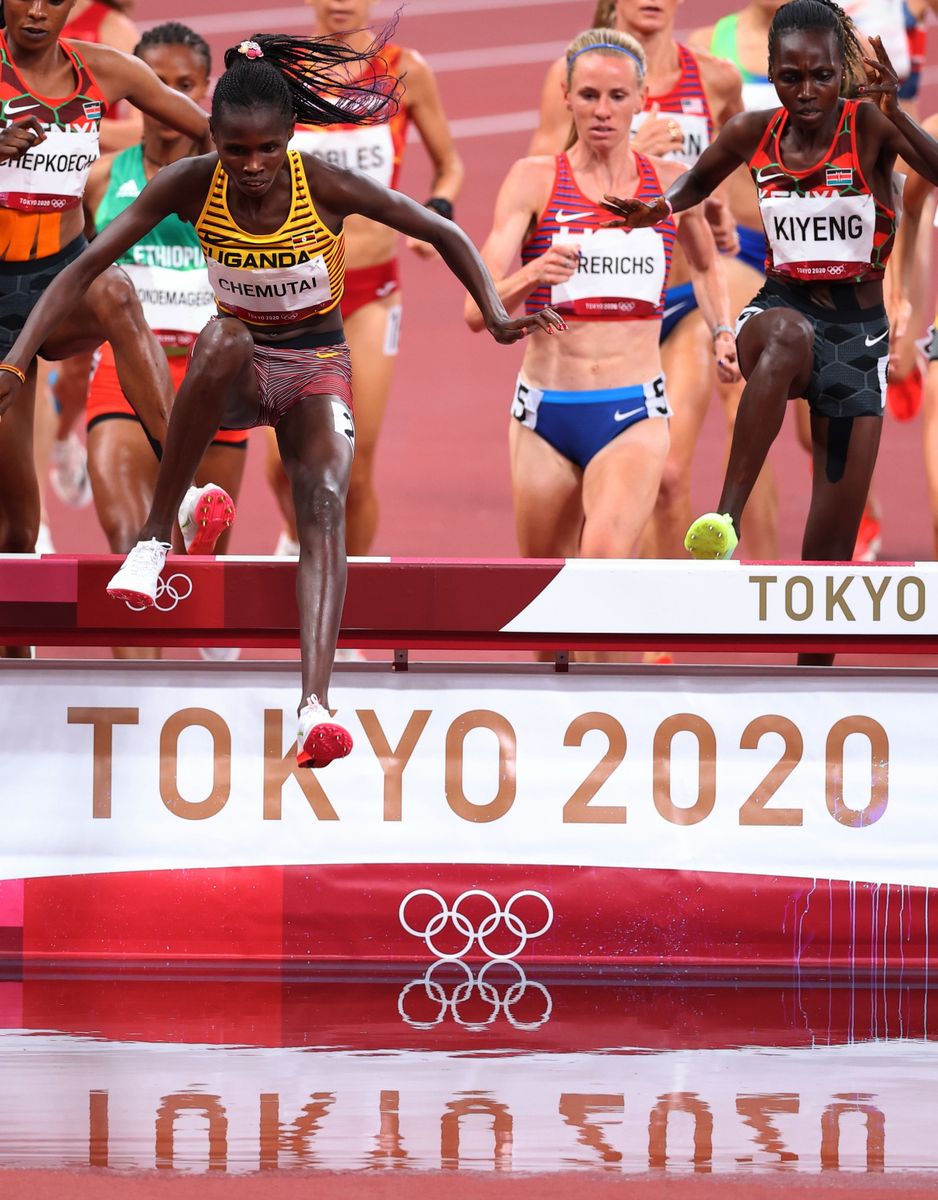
x,y
169,592
487,926
501,998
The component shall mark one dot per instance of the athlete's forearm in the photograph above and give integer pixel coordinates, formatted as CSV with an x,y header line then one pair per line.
x,y
712,293
920,149
513,290
462,258
448,177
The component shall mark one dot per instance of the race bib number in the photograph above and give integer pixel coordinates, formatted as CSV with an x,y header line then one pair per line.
x,y
620,274
823,236
178,301
50,178
271,295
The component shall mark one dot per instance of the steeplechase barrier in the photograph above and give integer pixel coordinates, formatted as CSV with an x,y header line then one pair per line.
x,y
699,819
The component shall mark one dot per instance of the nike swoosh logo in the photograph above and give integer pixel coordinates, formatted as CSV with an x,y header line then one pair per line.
x,y
386,288
762,178
673,309
563,218
872,341
10,111
617,416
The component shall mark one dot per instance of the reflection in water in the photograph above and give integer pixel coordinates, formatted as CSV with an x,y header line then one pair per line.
x,y
464,1068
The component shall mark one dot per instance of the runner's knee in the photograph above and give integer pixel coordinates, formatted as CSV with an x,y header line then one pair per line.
x,y
790,343
319,501
224,348
115,301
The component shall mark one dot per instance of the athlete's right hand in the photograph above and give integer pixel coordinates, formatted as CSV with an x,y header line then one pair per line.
x,y
635,214
20,136
557,264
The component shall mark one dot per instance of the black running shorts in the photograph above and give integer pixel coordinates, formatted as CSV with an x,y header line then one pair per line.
x,y
21,286
851,351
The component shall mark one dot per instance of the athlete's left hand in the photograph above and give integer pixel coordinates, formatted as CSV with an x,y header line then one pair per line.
x,y
722,225
724,352
513,330
882,84
635,214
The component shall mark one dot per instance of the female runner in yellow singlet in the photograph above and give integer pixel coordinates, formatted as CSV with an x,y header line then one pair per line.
x,y
270,223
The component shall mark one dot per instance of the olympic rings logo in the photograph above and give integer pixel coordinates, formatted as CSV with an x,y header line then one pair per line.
x,y
487,926
489,993
169,592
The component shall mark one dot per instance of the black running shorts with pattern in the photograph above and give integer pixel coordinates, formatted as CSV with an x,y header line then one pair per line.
x,y
851,351
21,286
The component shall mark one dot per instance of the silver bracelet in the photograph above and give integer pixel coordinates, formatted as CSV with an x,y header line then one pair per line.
x,y
718,329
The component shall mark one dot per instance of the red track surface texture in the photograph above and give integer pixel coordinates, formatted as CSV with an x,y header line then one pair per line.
x,y
443,471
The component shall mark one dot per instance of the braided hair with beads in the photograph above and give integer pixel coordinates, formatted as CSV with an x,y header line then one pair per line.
x,y
316,81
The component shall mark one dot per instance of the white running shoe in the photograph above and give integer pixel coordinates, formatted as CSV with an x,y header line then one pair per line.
x,y
68,472
319,740
204,515
44,540
286,546
137,580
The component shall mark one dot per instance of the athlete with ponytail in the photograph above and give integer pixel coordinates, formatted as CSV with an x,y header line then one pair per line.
x,y
823,168
372,304
269,221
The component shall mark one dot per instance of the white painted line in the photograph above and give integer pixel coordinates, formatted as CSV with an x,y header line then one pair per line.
x,y
298,15
495,56
470,127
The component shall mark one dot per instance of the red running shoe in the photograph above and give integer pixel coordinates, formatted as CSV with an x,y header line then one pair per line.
x,y
904,396
319,740
204,515
869,539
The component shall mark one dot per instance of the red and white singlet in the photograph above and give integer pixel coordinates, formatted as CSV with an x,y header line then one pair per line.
x,y
622,274
823,225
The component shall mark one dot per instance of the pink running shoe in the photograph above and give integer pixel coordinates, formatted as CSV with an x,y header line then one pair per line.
x,y
319,740
204,515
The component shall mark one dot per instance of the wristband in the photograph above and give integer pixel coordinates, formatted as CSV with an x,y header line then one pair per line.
x,y
13,371
718,329
670,208
441,205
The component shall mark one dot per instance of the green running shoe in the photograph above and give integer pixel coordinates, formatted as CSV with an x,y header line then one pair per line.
x,y
711,536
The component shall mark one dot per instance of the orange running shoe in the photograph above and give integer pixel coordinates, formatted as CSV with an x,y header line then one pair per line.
x,y
319,740
204,515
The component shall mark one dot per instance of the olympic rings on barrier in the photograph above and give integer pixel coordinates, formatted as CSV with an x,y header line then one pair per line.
x,y
463,991
465,928
169,593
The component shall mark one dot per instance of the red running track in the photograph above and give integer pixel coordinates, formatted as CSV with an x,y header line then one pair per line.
x,y
443,471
